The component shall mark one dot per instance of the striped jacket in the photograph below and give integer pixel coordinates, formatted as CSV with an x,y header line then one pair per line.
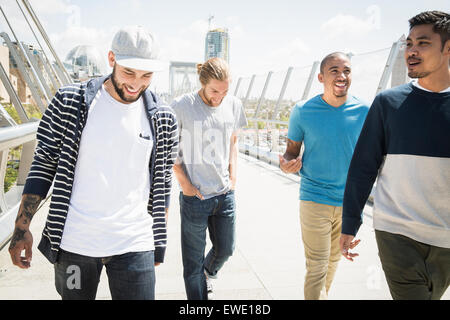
x,y
58,143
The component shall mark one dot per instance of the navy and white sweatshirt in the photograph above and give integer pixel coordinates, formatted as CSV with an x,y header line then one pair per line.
x,y
58,143
405,142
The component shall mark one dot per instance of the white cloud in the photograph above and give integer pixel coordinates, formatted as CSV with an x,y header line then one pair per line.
x,y
187,45
291,54
297,46
48,7
136,5
343,24
69,32
76,35
234,27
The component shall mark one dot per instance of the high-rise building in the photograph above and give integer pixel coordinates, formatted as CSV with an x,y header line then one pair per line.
x,y
217,44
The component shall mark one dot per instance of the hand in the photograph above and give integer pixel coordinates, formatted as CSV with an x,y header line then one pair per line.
x,y
346,242
157,264
21,240
192,191
291,166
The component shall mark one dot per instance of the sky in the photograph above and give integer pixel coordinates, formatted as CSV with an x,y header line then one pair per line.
x,y
264,35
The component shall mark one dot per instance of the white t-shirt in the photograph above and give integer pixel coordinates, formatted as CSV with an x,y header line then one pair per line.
x,y
416,83
108,206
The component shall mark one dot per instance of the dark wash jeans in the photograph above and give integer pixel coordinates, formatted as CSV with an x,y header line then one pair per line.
x,y
131,276
218,216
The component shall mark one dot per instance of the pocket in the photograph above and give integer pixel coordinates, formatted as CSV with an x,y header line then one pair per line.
x,y
144,139
230,194
188,199
140,153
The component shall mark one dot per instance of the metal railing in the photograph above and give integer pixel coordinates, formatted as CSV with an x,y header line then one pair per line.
x,y
42,78
22,135
269,98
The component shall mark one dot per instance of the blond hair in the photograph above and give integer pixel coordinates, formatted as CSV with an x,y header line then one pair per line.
x,y
214,68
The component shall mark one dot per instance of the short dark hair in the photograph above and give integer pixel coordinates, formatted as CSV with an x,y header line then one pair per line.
x,y
331,56
440,21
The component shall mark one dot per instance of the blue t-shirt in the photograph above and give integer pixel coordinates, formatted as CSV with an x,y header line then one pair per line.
x,y
329,135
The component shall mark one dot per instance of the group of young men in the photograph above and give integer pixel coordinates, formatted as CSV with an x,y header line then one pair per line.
x,y
107,148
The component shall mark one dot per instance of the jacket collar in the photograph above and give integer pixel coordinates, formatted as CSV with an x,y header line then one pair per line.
x,y
151,100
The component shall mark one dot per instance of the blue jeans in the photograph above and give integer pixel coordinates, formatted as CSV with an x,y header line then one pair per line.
x,y
131,276
218,215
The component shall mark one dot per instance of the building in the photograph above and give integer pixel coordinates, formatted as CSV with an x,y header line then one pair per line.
x,y
84,62
4,60
16,79
217,44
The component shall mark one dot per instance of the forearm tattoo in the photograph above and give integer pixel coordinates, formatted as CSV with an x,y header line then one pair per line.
x,y
30,202
18,235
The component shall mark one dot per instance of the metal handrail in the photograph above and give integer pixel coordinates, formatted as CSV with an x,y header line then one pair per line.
x,y
15,136
285,123
11,137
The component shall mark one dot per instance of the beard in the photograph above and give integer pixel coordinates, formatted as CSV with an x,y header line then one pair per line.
x,y
417,75
121,90
209,100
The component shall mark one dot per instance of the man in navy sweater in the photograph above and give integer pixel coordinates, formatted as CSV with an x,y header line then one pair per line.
x,y
405,142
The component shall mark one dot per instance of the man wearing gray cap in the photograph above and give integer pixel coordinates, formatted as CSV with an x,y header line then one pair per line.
x,y
108,146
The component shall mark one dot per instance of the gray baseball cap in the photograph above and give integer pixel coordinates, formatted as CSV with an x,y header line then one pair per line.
x,y
136,48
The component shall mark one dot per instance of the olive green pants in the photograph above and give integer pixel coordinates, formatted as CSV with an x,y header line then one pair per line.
x,y
413,270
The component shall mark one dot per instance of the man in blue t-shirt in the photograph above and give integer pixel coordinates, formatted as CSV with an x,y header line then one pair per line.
x,y
329,125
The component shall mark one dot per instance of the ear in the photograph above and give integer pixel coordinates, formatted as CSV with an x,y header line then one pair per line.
x,y
111,59
320,77
447,48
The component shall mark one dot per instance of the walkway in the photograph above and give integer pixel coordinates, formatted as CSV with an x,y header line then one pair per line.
x,y
268,262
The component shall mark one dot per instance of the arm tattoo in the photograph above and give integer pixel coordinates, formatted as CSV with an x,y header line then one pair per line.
x,y
18,235
28,208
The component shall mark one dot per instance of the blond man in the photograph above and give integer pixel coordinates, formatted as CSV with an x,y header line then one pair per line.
x,y
209,121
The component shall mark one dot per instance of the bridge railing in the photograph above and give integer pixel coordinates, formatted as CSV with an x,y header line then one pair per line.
x,y
30,74
24,137
269,98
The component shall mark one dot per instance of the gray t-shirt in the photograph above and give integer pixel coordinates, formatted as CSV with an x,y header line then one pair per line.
x,y
205,134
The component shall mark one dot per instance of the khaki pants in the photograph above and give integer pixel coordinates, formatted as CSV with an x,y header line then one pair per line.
x,y
321,230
